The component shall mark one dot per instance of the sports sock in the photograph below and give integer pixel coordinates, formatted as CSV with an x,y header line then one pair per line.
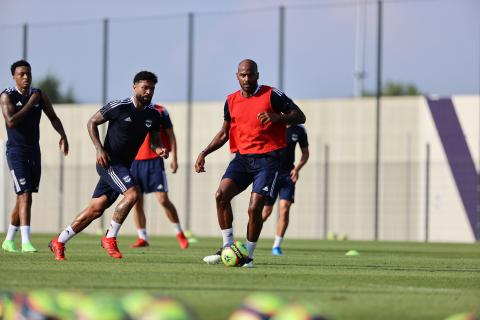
x,y
12,230
178,228
227,235
113,230
277,242
66,235
25,232
142,234
251,247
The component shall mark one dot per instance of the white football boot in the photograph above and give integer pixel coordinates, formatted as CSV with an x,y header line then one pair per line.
x,y
214,258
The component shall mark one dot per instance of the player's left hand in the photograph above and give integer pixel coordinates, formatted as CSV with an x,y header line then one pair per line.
x,y
161,152
174,165
63,145
294,175
268,117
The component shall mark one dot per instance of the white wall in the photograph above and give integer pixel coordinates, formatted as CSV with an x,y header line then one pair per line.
x,y
346,126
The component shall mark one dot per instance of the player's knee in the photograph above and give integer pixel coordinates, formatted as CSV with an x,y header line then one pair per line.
x,y
25,198
220,197
132,195
95,211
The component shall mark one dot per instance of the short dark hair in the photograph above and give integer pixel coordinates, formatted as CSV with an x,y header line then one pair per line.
x,y
19,63
145,75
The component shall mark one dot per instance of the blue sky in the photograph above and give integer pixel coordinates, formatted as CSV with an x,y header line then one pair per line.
x,y
434,44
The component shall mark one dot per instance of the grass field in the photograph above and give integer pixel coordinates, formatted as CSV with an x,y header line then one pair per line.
x,y
388,280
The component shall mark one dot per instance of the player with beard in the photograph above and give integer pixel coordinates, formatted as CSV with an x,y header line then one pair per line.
x,y
129,121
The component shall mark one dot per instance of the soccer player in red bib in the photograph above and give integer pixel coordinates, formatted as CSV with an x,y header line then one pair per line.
x,y
148,170
255,120
129,122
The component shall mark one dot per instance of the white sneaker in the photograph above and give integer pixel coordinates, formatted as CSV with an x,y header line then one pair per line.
x,y
214,258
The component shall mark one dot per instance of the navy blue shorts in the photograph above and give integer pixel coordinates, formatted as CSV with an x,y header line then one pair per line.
x,y
284,189
113,182
25,170
150,175
262,170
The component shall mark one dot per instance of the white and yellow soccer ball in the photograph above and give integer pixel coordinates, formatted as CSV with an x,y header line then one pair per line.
x,y
235,254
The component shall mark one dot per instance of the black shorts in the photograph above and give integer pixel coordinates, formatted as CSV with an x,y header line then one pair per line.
x,y
25,169
284,189
262,170
150,175
113,181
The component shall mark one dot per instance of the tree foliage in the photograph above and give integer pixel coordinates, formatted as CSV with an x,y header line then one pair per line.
x,y
396,88
50,85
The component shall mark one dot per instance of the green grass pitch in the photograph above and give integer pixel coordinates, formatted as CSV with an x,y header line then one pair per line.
x,y
388,280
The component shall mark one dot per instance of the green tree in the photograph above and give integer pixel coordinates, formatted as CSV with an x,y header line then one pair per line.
x,y
396,88
50,84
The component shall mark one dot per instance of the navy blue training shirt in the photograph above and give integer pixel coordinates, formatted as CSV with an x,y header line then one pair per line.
x,y
295,134
127,128
25,136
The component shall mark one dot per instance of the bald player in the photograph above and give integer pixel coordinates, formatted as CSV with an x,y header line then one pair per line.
x,y
255,120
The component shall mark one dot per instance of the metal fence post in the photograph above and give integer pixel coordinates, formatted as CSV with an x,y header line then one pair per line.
x,y
281,47
427,194
188,174
3,189
377,119
325,192
103,128
61,192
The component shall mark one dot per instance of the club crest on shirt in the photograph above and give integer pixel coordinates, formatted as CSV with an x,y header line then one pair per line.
x,y
127,179
294,137
148,123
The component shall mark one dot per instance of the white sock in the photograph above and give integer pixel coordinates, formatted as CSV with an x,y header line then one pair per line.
x,y
113,230
12,230
277,242
25,232
66,235
227,235
251,247
142,234
178,228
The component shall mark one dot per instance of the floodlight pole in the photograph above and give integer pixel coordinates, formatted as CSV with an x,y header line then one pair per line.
x,y
377,117
359,74
25,41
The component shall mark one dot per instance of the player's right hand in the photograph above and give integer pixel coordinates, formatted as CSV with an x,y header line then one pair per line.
x,y
200,163
103,159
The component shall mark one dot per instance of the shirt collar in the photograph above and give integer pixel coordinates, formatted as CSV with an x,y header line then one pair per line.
x,y
29,90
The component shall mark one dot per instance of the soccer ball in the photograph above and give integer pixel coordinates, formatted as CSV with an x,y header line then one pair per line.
x,y
234,254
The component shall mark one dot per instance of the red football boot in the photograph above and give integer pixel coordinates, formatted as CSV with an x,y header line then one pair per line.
x,y
57,248
182,240
140,243
110,245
